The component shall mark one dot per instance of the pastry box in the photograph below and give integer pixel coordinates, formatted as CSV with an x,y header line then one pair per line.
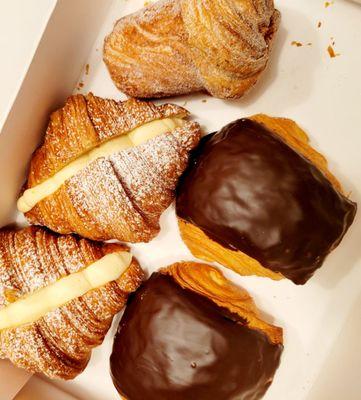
x,y
304,81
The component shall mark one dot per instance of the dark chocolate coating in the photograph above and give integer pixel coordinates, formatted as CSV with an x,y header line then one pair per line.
x,y
174,344
249,191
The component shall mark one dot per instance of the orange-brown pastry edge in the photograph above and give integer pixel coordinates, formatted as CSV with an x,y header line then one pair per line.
x,y
208,281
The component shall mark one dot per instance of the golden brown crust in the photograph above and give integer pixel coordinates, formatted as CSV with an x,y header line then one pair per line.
x,y
205,248
208,281
59,344
117,197
84,123
230,42
174,47
136,58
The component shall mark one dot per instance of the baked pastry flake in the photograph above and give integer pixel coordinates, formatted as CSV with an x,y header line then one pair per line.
x,y
188,333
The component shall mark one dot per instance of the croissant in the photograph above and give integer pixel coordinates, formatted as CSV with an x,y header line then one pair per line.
x,y
107,169
257,198
189,333
58,296
174,47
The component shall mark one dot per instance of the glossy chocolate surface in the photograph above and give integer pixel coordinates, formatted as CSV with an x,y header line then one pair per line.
x,y
249,191
173,344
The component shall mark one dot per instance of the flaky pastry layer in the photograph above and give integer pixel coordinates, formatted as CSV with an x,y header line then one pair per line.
x,y
115,196
174,47
59,344
208,281
36,305
111,147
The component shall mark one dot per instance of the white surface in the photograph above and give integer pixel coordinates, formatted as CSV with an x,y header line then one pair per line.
x,y
324,96
20,31
11,380
38,389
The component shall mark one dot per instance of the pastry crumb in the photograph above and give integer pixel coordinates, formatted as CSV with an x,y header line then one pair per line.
x,y
329,3
319,24
11,295
87,69
300,44
332,52
204,101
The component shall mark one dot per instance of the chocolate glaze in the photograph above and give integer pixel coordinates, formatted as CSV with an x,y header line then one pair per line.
x,y
174,344
248,190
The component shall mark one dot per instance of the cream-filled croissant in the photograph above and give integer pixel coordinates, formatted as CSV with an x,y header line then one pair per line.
x,y
174,47
107,169
58,296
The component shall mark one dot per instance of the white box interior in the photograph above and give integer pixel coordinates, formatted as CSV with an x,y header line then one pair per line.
x,y
321,356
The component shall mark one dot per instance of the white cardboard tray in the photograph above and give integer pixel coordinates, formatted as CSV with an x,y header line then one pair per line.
x,y
321,320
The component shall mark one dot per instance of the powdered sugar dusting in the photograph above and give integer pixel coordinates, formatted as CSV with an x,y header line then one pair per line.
x,y
147,54
123,195
60,343
175,47
86,122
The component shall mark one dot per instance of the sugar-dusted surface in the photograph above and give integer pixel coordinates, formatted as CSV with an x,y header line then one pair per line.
x,y
119,196
176,47
323,96
85,122
59,344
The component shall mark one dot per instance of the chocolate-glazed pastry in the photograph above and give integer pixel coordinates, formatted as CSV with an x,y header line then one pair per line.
x,y
188,333
258,199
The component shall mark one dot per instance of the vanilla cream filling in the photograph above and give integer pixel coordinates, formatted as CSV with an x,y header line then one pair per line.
x,y
134,138
34,306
